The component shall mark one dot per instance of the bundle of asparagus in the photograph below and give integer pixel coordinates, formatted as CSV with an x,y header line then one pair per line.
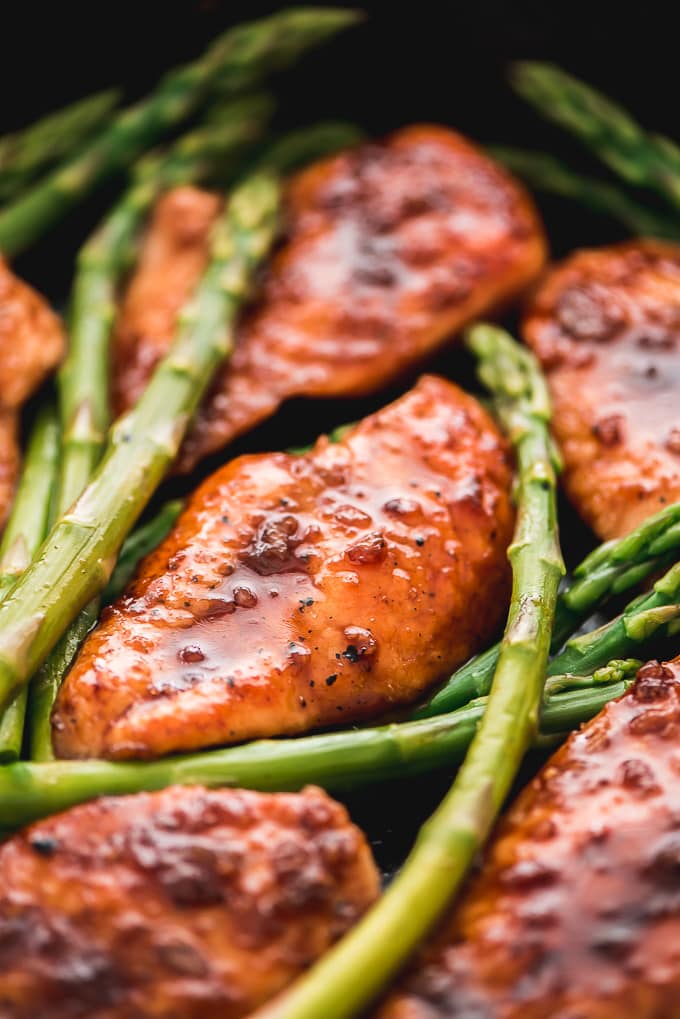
x,y
610,570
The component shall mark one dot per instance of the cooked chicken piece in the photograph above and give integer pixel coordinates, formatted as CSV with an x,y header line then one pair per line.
x,y
9,461
576,912
187,902
172,259
31,345
392,247
606,326
303,591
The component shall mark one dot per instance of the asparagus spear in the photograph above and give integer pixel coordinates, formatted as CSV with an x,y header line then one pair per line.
x,y
338,761
237,60
23,536
642,618
297,148
79,554
349,976
615,671
545,173
26,153
641,158
611,569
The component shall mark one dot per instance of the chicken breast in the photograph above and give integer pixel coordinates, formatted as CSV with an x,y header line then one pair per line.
x,y
606,327
303,591
187,902
391,248
9,460
576,912
31,345
172,259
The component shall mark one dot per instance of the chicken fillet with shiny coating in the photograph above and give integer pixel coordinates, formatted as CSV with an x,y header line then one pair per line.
x,y
31,345
298,592
576,911
187,902
605,325
391,248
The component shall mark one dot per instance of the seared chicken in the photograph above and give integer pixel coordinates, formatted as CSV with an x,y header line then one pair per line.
x,y
187,902
576,912
606,327
305,591
9,460
172,259
391,248
31,345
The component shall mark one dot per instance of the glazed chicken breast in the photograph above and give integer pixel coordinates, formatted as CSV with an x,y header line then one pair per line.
x,y
606,327
187,902
576,912
391,248
31,345
305,591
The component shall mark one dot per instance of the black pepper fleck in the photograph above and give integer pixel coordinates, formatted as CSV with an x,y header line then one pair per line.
x,y
351,653
44,845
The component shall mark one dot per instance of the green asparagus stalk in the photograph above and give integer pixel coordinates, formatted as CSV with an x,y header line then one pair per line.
x,y
546,173
23,536
237,60
27,153
338,761
641,158
79,554
644,617
350,975
212,153
616,671
610,570
102,263
651,615
297,148
44,685
142,541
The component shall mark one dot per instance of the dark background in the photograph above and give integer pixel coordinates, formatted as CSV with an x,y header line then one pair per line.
x,y
409,61
442,61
